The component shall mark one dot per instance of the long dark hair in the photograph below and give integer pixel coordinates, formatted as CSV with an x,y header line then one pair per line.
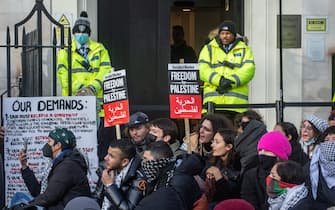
x,y
228,136
289,129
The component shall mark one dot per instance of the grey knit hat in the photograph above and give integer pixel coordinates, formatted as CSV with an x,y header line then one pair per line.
x,y
82,203
82,24
319,123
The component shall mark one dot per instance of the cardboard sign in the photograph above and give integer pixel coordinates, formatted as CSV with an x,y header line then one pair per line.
x,y
185,96
28,121
116,105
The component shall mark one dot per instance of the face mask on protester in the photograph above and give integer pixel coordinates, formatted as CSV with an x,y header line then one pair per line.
x,y
81,38
47,151
310,142
266,162
275,188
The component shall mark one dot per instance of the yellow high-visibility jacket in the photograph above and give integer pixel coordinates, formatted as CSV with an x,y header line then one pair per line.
x,y
99,62
237,65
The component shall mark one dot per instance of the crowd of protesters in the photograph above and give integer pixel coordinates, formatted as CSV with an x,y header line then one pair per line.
x,y
240,165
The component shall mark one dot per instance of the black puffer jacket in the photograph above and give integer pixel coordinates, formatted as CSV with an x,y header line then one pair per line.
x,y
183,179
182,190
67,180
131,190
246,145
253,188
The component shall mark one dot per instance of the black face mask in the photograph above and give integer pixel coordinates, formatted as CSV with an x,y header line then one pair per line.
x,y
47,151
266,162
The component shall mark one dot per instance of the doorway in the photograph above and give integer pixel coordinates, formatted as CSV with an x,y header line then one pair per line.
x,y
203,16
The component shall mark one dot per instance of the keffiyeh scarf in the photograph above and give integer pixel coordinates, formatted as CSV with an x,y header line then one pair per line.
x,y
324,156
289,198
152,168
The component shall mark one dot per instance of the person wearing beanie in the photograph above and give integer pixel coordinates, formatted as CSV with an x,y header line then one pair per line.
x,y
67,176
311,129
90,63
272,147
290,131
226,66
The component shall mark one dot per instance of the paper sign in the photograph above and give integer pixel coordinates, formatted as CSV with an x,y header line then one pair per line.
x,y
29,120
116,105
185,97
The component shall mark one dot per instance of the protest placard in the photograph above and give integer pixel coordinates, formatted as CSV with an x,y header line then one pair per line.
x,y
116,105
28,122
185,96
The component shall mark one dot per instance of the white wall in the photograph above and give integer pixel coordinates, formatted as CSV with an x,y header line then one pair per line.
x,y
303,79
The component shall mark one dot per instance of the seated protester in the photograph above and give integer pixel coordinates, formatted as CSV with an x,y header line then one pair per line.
x,y
187,170
167,188
124,183
290,131
285,186
310,130
272,147
166,130
138,131
321,173
201,140
67,178
250,129
220,169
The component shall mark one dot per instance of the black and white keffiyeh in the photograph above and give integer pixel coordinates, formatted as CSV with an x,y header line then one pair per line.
x,y
289,199
152,168
323,159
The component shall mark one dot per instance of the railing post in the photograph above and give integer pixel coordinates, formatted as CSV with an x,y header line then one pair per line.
x,y
8,63
69,63
54,63
210,107
279,111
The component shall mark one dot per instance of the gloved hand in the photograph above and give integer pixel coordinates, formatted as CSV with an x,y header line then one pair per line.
x,y
86,91
225,85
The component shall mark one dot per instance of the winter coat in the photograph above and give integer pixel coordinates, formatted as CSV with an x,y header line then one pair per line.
x,y
67,180
182,190
325,196
85,72
253,188
246,145
131,190
237,65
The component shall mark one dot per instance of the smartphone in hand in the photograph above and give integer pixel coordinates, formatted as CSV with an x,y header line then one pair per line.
x,y
25,145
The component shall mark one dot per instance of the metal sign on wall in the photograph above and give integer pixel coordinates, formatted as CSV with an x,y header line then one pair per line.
x,y
291,31
316,24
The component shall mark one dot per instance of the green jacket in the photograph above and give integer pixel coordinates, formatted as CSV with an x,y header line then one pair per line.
x,y
99,63
237,65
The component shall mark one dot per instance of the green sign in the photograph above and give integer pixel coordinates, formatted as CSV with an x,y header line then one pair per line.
x,y
316,24
291,31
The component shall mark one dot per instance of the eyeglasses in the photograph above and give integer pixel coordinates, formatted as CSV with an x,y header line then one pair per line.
x,y
309,128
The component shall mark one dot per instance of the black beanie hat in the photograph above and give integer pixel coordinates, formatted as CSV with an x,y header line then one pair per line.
x,y
228,26
82,24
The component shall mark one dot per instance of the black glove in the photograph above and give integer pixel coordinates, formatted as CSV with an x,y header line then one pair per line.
x,y
225,85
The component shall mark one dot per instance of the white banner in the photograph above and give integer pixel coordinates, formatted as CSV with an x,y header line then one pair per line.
x,y
31,119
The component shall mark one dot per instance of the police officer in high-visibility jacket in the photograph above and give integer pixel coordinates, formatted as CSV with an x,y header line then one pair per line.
x,y
226,66
90,63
